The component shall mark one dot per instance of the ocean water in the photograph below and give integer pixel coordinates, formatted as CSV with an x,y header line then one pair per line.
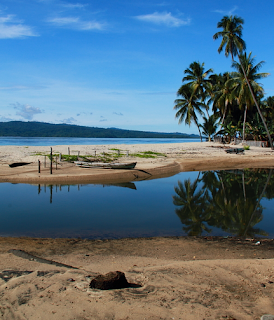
x,y
52,141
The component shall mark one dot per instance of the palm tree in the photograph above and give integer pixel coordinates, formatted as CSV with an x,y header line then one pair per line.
x,y
223,97
246,71
196,75
210,126
235,45
187,106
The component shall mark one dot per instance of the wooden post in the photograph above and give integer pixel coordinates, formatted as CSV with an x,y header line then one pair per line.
x,y
127,153
45,160
38,166
60,157
95,153
50,160
118,152
68,151
56,161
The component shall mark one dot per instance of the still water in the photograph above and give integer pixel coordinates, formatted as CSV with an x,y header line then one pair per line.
x,y
219,203
51,141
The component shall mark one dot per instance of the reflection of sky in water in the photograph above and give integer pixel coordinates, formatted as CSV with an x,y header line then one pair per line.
x,y
96,211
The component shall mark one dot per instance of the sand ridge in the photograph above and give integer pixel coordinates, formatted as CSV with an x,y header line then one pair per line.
x,y
179,157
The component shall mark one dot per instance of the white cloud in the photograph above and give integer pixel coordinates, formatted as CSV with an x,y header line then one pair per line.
x,y
4,119
164,18
76,23
74,6
26,111
228,13
69,120
10,28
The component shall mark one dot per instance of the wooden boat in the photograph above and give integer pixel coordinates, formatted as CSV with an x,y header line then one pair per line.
x,y
114,165
18,164
235,150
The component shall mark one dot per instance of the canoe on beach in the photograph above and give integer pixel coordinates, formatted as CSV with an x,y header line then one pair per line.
x,y
18,164
235,150
103,165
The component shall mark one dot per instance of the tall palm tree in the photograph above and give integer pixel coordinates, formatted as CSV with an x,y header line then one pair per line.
x,y
234,45
223,97
188,106
198,80
247,70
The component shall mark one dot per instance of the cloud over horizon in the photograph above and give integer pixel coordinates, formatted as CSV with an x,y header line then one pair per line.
x,y
26,111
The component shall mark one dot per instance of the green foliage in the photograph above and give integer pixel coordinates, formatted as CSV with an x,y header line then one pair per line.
x,y
69,158
148,154
246,147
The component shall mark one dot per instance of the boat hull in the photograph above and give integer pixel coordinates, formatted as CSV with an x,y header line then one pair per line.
x,y
84,164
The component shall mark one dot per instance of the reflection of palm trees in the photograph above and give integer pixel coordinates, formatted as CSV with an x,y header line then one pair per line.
x,y
192,207
229,200
248,214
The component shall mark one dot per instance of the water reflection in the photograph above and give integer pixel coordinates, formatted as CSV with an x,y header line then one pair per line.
x,y
56,188
218,203
228,200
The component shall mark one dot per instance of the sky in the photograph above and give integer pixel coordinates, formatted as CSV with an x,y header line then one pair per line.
x,y
116,63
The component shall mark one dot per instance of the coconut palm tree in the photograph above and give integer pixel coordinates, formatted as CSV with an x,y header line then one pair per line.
x,y
197,79
188,106
234,45
223,97
246,70
210,126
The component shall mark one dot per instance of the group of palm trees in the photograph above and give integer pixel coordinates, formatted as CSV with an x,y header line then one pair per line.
x,y
231,97
228,200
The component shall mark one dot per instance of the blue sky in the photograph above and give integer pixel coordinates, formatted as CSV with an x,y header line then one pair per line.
x,y
115,63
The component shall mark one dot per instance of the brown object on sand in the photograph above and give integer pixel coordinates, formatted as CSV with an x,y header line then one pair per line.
x,y
111,280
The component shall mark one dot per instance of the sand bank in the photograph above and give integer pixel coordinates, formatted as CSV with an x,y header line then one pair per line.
x,y
179,157
179,278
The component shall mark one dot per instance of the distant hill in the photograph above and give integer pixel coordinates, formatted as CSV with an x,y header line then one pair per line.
x,y
42,129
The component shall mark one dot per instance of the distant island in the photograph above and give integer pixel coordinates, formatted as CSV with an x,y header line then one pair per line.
x,y
42,129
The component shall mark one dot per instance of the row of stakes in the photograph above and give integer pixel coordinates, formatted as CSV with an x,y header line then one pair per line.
x,y
60,158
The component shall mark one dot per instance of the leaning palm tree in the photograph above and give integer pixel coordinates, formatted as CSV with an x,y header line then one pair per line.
x,y
188,106
197,79
234,45
247,70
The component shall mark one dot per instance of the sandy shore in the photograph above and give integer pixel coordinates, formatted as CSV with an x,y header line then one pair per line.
x,y
179,278
179,157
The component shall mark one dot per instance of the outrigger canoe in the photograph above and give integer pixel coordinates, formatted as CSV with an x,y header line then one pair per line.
x,y
103,165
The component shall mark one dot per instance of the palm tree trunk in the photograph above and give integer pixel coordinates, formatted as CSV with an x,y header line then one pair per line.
x,y
256,103
223,118
243,138
198,129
